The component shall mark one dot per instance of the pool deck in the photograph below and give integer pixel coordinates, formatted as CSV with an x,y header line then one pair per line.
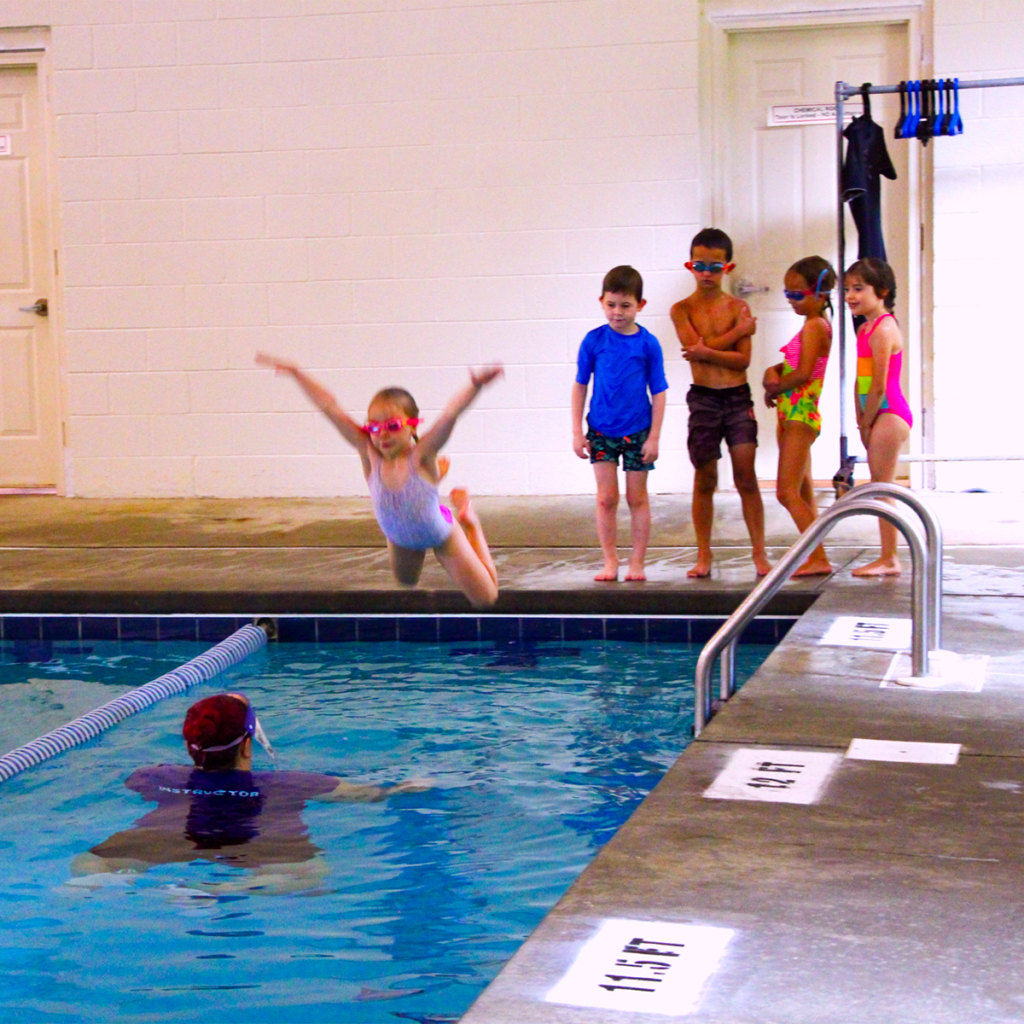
x,y
893,898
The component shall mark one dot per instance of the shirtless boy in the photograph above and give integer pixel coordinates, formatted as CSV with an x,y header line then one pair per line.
x,y
715,331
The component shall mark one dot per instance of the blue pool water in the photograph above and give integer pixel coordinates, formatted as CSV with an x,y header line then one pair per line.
x,y
538,752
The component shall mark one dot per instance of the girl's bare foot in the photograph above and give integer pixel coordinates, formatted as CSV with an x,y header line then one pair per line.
x,y
815,567
609,574
761,563
636,574
470,522
464,511
702,568
880,567
443,465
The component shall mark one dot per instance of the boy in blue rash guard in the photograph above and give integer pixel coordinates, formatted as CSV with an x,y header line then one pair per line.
x,y
625,415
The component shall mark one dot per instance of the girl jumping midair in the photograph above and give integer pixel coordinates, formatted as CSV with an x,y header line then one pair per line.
x,y
883,415
402,473
793,387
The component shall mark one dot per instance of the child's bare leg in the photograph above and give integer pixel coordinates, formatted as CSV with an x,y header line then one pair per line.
x,y
795,489
406,564
705,483
466,515
888,435
745,478
640,522
607,476
467,570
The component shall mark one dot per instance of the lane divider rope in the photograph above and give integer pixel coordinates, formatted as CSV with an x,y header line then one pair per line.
x,y
228,652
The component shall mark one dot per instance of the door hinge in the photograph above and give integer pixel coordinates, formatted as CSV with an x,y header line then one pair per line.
x,y
922,238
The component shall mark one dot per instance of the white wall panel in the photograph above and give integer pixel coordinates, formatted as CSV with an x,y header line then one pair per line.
x,y
979,178
385,191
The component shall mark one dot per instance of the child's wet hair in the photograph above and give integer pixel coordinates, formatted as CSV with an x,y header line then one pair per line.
x,y
623,280
878,275
713,238
401,398
818,274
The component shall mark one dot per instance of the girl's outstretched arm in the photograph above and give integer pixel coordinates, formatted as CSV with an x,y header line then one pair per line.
x,y
436,437
322,399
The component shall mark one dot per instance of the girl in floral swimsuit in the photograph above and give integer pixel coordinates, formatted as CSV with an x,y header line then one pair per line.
x,y
793,387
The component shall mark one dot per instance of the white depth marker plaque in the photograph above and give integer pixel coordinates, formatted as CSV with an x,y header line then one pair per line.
x,y
896,750
5,145
643,967
866,631
775,776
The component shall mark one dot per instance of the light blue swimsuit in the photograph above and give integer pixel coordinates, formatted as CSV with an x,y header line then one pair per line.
x,y
411,517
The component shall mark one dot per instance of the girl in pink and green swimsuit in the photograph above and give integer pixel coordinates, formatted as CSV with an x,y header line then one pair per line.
x,y
883,415
793,387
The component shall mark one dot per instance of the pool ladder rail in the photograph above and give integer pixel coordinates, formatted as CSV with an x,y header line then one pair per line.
x,y
925,593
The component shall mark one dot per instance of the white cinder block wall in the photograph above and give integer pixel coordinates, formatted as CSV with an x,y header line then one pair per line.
x,y
979,185
385,190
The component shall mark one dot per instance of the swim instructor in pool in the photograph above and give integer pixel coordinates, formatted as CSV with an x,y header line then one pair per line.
x,y
220,810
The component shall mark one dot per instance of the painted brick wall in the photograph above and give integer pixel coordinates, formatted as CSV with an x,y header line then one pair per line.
x,y
979,182
385,191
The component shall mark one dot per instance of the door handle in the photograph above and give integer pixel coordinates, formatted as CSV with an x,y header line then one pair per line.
x,y
745,287
41,307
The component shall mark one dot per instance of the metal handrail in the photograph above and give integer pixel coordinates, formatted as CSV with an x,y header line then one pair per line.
x,y
932,599
933,542
770,585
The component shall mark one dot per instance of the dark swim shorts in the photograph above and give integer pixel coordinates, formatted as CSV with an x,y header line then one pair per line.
x,y
608,449
717,414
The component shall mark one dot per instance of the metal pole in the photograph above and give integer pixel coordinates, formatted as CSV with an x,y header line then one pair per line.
x,y
784,568
980,83
844,463
727,681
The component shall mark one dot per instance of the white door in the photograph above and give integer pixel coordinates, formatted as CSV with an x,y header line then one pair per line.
x,y
777,190
29,413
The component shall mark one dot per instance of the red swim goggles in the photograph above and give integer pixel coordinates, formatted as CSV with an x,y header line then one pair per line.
x,y
392,426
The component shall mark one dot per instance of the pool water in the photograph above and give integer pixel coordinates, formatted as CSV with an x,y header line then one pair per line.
x,y
538,753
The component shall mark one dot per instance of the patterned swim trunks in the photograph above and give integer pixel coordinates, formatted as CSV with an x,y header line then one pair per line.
x,y
718,414
608,449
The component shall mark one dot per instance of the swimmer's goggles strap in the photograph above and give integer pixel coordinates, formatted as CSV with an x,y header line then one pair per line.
x,y
252,728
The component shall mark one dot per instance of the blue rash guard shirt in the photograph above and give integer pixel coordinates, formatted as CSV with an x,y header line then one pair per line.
x,y
624,367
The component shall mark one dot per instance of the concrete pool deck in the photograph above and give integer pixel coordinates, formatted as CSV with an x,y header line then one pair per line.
x,y
894,898
160,556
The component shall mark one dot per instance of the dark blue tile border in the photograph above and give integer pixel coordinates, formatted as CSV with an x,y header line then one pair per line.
x,y
178,627
211,629
23,627
339,630
454,628
60,629
634,630
100,627
302,630
541,628
418,629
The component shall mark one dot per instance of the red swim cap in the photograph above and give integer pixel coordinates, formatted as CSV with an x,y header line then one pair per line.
x,y
216,721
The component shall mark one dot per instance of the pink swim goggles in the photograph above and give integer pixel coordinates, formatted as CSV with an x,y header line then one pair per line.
x,y
392,426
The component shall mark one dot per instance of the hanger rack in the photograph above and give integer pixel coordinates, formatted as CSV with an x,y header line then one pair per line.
x,y
843,92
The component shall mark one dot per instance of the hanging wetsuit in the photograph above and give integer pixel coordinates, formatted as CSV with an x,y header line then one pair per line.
x,y
866,160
